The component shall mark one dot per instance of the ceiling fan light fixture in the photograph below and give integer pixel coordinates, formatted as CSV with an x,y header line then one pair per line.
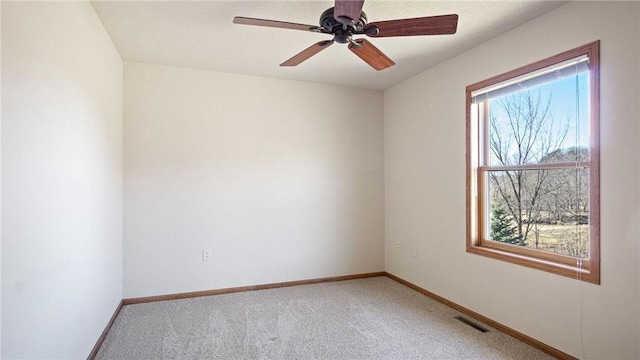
x,y
343,36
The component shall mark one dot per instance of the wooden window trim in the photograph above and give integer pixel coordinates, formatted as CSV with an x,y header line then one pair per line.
x,y
583,269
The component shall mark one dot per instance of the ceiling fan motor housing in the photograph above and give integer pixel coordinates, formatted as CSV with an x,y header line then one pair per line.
x,y
342,32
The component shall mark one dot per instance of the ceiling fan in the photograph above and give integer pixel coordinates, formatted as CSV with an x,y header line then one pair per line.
x,y
347,19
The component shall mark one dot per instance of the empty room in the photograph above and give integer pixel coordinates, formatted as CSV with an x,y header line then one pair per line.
x,y
335,179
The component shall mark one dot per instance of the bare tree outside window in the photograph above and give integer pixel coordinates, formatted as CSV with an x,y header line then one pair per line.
x,y
546,206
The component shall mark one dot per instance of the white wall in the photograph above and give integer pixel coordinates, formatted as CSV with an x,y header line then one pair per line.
x,y
425,187
61,179
283,180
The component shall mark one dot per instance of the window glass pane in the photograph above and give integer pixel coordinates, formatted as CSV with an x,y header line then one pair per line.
x,y
546,209
544,124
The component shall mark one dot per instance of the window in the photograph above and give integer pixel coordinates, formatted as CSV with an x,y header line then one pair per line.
x,y
533,165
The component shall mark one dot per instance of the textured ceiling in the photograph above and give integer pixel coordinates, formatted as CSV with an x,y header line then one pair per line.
x,y
201,35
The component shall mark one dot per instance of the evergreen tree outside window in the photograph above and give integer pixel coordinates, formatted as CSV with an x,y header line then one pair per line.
x,y
502,228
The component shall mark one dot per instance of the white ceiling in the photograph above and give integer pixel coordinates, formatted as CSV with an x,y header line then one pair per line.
x,y
201,35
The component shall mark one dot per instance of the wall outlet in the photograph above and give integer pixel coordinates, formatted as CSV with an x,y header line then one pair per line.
x,y
398,246
206,254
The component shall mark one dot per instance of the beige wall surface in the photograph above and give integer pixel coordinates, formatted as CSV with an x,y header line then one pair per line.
x,y
61,179
425,188
282,180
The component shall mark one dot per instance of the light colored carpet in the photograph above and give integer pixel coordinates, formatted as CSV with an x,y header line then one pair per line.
x,y
374,318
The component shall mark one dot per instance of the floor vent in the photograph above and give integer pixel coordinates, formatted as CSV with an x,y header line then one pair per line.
x,y
472,324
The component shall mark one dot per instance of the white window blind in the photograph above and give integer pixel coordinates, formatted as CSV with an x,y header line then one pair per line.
x,y
557,71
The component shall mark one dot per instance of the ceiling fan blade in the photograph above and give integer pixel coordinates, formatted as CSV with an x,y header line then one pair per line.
x,y
430,25
307,53
370,54
276,24
348,10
